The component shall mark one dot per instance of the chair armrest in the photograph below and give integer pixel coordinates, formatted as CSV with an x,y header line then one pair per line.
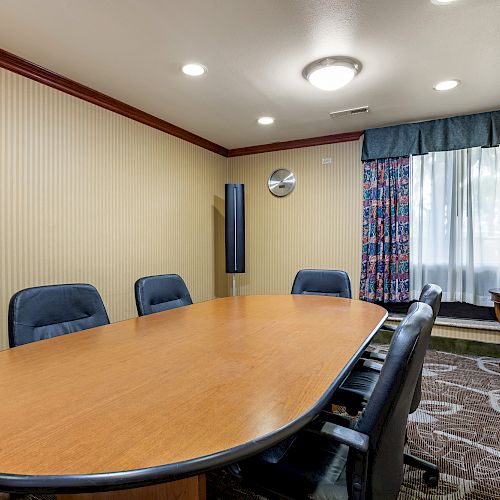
x,y
357,441
372,365
390,328
344,435
377,356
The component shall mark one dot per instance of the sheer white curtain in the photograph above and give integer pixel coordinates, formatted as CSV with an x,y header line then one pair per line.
x,y
455,223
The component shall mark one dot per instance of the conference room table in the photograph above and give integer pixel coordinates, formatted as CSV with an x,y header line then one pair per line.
x,y
167,397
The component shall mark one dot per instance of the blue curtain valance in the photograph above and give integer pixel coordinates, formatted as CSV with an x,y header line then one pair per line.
x,y
458,132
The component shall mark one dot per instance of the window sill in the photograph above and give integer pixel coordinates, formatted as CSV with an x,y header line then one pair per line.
x,y
474,324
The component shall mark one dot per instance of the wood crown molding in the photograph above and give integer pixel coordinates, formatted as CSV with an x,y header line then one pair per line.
x,y
42,75
298,143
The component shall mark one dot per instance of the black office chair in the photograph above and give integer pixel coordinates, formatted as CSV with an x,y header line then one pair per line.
x,y
428,296
322,282
44,312
359,385
334,458
160,293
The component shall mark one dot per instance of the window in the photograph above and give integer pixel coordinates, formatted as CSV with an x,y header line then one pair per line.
x,y
455,223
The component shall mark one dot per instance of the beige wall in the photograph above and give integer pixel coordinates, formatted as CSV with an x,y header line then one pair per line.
x,y
317,226
87,195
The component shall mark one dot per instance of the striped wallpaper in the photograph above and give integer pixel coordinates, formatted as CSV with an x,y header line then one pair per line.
x,y
87,195
317,226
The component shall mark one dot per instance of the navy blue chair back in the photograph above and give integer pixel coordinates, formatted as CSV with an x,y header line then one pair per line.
x,y
160,293
44,312
322,282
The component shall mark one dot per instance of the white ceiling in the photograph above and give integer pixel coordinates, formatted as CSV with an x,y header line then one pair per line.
x,y
255,51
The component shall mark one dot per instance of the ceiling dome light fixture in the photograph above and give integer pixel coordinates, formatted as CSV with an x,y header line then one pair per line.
x,y
331,73
446,85
265,120
194,69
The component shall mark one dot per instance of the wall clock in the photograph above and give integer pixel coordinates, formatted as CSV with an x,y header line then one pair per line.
x,y
281,182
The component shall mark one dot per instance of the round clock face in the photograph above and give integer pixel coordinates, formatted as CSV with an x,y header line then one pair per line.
x,y
281,182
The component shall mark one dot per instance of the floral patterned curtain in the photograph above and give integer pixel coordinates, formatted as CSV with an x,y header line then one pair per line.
x,y
386,228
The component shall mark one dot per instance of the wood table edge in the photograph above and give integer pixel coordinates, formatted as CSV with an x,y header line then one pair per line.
x,y
149,476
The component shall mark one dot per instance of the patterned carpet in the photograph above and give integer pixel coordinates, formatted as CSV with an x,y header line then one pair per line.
x,y
456,426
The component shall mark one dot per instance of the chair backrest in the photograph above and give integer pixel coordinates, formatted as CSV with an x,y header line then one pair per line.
x,y
430,295
322,282
44,312
159,293
385,416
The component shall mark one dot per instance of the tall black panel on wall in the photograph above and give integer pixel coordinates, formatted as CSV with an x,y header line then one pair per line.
x,y
235,228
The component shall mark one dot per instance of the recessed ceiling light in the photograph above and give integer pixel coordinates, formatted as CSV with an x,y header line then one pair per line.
x,y
447,85
194,69
331,73
265,120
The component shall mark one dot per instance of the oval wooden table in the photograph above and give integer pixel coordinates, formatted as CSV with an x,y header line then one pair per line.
x,y
174,394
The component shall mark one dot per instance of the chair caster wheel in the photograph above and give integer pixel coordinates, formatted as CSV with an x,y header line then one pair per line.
x,y
430,479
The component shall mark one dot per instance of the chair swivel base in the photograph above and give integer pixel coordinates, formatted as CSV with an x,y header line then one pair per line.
x,y
431,471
